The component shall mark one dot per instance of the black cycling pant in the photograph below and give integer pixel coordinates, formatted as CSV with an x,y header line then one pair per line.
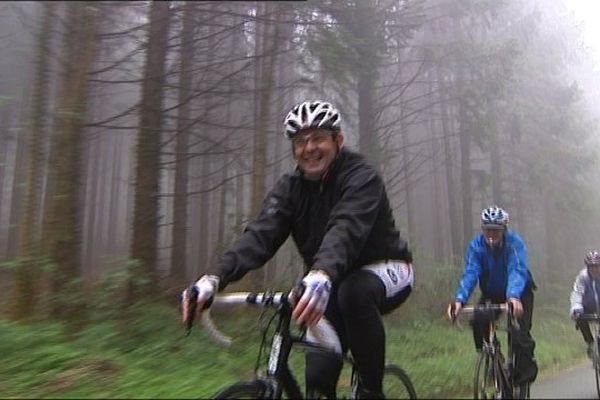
x,y
523,343
355,309
584,327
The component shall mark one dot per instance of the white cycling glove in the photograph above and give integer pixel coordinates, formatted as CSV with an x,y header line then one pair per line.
x,y
317,287
206,286
576,313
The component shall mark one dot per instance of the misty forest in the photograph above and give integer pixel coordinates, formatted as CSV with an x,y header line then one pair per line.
x,y
137,139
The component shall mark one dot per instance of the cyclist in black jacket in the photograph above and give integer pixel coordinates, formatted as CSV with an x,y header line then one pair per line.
x,y
358,267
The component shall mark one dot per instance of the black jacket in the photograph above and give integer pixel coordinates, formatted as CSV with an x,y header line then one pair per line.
x,y
339,223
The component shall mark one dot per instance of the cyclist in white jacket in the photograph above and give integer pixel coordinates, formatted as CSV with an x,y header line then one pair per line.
x,y
585,295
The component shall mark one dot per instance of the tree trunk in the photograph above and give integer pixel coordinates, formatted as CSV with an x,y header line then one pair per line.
x,y
145,219
24,289
17,197
20,166
496,166
367,141
65,220
456,248
180,220
439,227
94,219
204,212
464,139
269,39
5,121
368,64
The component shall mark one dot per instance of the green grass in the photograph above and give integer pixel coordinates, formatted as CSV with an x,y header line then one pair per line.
x,y
151,358
440,358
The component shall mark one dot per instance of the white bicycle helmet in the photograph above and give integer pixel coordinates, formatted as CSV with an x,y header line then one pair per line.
x,y
311,114
494,217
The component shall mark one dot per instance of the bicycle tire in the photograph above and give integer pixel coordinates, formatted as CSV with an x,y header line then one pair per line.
x,y
523,391
397,383
244,390
596,362
486,384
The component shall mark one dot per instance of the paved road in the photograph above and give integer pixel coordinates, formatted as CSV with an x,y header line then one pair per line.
x,y
576,383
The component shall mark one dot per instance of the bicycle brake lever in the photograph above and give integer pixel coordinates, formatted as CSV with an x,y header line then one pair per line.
x,y
453,314
513,319
192,304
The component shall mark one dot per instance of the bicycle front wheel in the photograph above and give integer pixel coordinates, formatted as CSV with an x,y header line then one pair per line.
x,y
245,390
487,384
596,362
397,384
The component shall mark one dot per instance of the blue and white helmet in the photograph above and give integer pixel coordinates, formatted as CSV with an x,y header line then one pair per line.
x,y
494,217
311,114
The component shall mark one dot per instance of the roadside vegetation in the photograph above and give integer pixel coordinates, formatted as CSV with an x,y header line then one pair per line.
x,y
147,354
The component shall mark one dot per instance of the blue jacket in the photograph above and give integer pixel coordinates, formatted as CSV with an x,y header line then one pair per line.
x,y
502,273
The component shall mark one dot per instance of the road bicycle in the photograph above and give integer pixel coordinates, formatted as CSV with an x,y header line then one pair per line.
x,y
493,371
279,379
595,329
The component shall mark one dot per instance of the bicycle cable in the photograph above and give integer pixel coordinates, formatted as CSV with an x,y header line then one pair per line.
x,y
264,330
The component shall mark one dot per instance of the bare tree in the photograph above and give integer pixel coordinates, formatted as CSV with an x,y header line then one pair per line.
x,y
145,218
65,213
25,288
180,205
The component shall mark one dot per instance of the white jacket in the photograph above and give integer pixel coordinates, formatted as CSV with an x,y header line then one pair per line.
x,y
585,294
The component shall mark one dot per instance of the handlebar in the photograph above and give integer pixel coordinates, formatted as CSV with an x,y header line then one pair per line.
x,y
589,317
484,308
259,299
490,310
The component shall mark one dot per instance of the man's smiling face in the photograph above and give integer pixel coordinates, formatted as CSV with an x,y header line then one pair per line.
x,y
315,150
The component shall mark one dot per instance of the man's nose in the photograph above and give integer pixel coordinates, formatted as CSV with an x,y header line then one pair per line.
x,y
309,144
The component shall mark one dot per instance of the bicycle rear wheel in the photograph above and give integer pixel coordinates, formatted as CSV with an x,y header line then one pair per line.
x,y
487,384
245,390
522,391
596,362
397,384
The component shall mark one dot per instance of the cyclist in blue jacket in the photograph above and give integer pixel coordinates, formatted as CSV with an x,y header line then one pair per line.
x,y
497,260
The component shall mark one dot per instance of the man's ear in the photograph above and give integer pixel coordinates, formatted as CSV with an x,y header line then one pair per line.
x,y
340,139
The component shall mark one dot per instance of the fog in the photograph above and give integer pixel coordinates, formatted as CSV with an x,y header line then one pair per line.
x,y
151,132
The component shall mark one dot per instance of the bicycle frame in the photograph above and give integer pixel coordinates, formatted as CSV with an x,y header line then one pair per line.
x,y
502,371
278,370
279,376
594,319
